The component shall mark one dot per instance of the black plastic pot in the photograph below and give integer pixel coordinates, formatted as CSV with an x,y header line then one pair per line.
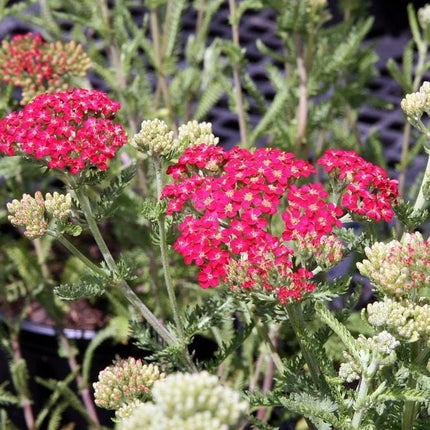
x,y
39,348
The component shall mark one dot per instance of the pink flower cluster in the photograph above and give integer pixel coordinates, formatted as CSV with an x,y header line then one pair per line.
x,y
230,199
38,67
367,190
233,196
69,130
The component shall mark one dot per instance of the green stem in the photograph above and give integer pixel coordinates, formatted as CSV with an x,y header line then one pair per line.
x,y
295,315
410,408
164,252
129,293
420,201
363,390
75,251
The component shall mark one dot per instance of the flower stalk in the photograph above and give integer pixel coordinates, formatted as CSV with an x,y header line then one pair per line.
x,y
107,256
295,315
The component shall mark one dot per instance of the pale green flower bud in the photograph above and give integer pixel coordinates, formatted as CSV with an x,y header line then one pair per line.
x,y
414,104
184,394
378,313
154,139
188,402
349,371
127,408
29,213
424,16
58,206
125,381
144,416
194,133
422,321
383,343
403,318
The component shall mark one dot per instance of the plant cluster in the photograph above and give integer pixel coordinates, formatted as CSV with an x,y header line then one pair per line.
x,y
262,250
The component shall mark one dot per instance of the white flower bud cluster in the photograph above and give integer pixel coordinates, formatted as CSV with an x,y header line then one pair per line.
x,y
124,382
188,402
58,206
193,133
397,267
404,318
424,16
383,343
349,370
415,104
29,213
380,347
154,139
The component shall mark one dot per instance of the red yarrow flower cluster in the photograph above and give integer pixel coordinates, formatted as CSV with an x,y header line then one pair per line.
x,y
38,67
68,130
232,197
366,189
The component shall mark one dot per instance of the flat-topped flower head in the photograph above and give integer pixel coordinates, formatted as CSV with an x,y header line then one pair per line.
x,y
415,104
154,139
405,318
69,130
398,268
29,212
231,197
194,133
39,67
126,381
365,188
188,402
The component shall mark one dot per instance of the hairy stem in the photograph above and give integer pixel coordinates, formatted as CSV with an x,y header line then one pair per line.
x,y
420,201
363,390
107,256
419,73
295,315
82,386
236,79
164,252
166,266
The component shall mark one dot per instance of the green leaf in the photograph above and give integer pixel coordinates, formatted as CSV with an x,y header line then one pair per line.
x,y
6,397
20,376
269,117
396,73
345,336
320,410
407,215
173,26
244,6
76,291
413,25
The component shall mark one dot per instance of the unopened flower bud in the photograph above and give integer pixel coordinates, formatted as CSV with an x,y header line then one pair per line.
x,y
424,16
154,138
189,402
29,213
397,267
194,133
125,381
58,206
